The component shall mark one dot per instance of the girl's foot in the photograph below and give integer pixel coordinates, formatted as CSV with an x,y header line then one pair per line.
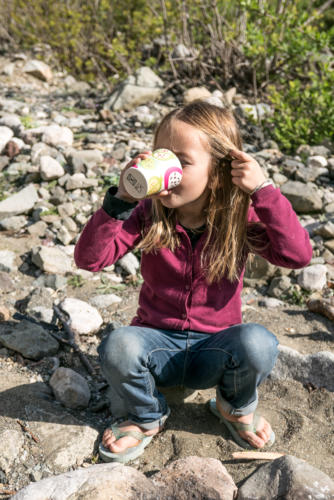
x,y
110,442
256,440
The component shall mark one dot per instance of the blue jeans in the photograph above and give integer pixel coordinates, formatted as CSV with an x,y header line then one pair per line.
x,y
135,360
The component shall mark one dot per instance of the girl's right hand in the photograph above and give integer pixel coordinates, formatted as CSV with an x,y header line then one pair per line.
x,y
121,192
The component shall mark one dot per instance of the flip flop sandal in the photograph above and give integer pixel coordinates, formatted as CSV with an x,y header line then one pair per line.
x,y
233,427
128,454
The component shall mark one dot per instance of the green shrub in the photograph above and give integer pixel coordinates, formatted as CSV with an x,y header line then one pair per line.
x,y
273,50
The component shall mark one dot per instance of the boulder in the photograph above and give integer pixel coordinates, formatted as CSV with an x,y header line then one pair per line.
x,y
29,339
287,477
316,368
38,69
305,198
142,87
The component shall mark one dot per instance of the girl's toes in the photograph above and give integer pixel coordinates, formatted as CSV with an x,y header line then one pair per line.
x,y
254,440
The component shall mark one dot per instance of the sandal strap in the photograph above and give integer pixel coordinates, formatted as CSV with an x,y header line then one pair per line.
x,y
118,433
252,427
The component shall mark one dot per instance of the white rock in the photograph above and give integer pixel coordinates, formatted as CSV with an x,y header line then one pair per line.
x,y
85,319
129,263
13,441
64,235
38,69
313,277
7,261
19,203
103,301
80,181
57,136
195,93
317,161
11,120
51,259
8,69
50,168
5,136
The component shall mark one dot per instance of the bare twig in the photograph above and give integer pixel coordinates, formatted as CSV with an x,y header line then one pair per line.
x,y
25,428
72,341
256,455
318,12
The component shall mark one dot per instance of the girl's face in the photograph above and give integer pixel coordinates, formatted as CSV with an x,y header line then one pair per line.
x,y
191,147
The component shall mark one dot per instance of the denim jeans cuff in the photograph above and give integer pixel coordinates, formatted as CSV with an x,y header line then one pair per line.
x,y
238,412
152,425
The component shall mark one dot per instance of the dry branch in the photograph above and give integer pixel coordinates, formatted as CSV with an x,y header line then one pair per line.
x,y
322,306
72,339
256,455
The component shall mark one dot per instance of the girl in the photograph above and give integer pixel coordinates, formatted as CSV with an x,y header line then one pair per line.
x,y
195,240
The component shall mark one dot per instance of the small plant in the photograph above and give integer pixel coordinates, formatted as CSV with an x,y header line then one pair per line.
x,y
107,286
296,295
109,180
51,211
28,122
76,281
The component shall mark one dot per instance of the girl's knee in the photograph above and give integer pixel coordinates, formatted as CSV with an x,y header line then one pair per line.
x,y
121,350
258,344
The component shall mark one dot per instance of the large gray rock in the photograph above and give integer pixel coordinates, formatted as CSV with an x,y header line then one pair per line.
x,y
98,482
29,339
70,388
288,478
316,368
142,87
19,203
51,259
65,440
305,198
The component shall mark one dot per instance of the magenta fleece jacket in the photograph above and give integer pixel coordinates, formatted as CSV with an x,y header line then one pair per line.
x,y
175,295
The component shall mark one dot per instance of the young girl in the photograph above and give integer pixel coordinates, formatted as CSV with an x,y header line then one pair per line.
x,y
195,240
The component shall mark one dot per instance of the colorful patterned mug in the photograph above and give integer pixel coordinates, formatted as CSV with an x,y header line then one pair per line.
x,y
160,171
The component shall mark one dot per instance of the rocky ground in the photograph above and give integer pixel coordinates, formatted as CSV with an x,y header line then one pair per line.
x,y
62,144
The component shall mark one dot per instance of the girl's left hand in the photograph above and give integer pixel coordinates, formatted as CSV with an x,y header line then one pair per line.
x,y
246,172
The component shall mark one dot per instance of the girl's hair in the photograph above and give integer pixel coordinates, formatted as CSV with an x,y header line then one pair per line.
x,y
227,205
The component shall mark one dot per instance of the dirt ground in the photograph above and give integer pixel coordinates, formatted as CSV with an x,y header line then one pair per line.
x,y
302,418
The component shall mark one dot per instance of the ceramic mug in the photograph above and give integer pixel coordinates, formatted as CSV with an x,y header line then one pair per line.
x,y
162,170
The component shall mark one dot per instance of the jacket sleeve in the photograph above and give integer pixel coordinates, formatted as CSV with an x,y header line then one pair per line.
x,y
107,236
277,235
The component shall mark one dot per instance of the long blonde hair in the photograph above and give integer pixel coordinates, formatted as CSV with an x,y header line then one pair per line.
x,y
227,205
